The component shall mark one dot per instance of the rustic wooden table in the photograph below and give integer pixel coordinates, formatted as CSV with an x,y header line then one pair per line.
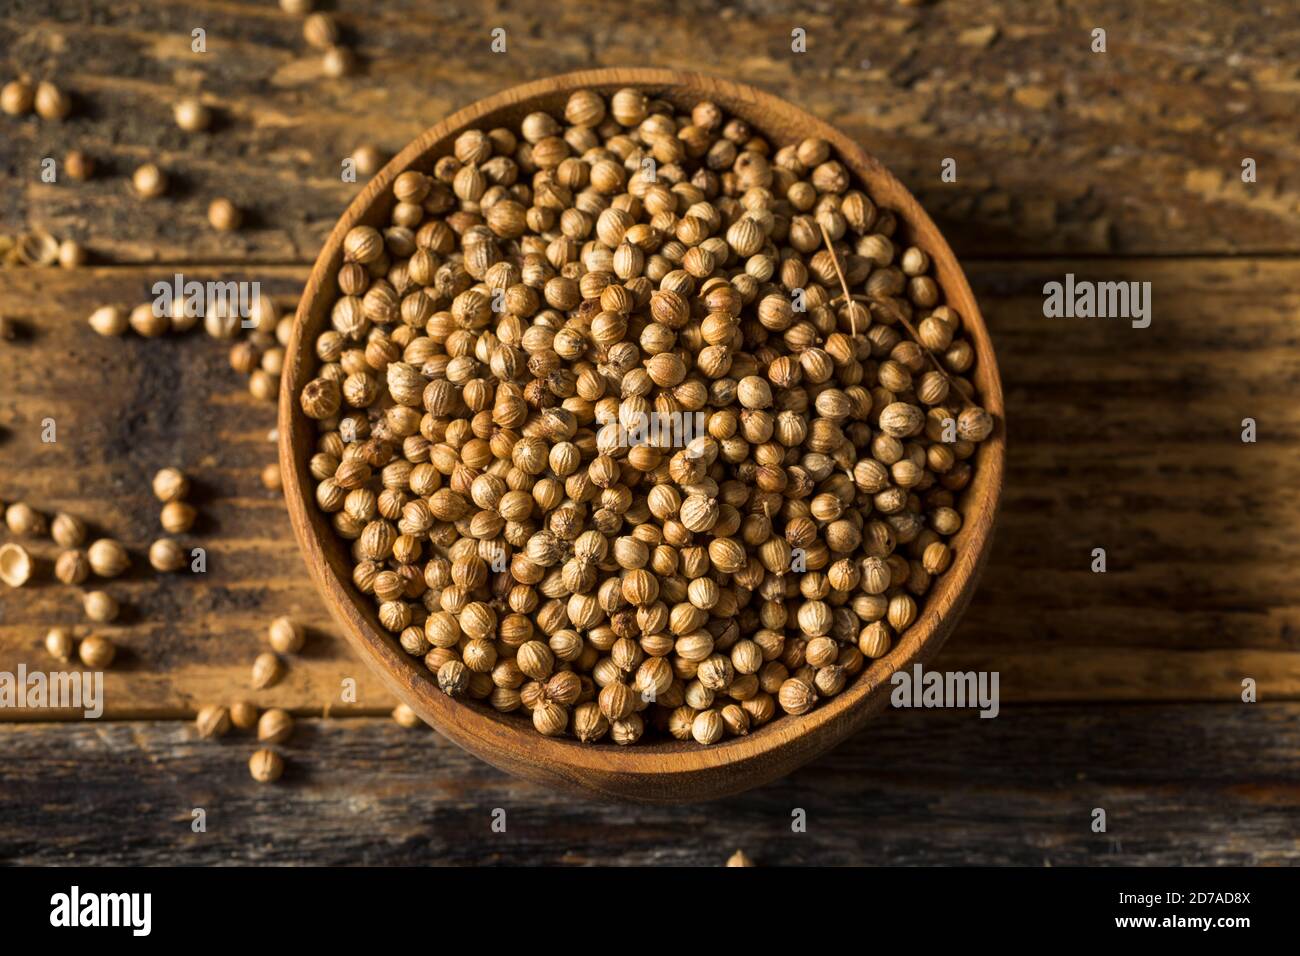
x,y
1119,690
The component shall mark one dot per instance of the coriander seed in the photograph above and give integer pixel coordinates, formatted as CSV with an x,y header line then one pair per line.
x,y
16,565
267,671
177,517
243,714
52,103
24,520
108,559
320,30
108,320
275,726
17,98
59,643
67,530
404,716
166,555
149,182
78,165
266,766
224,215
170,484
147,322
72,566
286,635
739,858
191,115
72,255
96,652
101,607
213,721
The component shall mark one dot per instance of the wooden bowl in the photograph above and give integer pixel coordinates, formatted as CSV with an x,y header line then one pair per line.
x,y
661,772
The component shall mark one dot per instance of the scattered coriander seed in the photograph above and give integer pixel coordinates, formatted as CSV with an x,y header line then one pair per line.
x,y
266,766
25,521
224,215
59,643
739,858
149,181
177,517
109,320
108,559
72,255
297,8
339,61
404,716
16,565
191,115
213,721
72,566
271,479
263,386
243,714
147,322
170,484
275,726
286,635
101,607
78,165
320,30
17,97
51,102
243,357
267,671
166,555
367,159
96,652
68,531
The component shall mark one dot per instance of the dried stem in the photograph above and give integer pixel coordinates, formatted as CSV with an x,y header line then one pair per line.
x,y
886,304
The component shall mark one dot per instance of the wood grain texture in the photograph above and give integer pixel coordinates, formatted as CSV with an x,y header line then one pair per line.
x,y
1128,439
1058,149
1180,784
654,771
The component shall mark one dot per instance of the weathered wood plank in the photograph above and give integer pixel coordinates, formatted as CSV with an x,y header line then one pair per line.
x,y
1058,149
1203,784
1127,439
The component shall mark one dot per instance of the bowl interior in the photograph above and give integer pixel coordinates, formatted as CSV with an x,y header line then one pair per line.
x,y
477,726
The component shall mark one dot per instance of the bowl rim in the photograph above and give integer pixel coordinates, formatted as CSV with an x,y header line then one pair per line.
x,y
510,742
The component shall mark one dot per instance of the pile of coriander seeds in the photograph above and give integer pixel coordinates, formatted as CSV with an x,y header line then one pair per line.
x,y
495,352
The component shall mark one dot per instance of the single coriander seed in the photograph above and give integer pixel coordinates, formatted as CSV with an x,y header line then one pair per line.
x,y
213,721
267,670
275,726
266,766
224,215
404,716
191,115
149,181
17,97
51,102
166,555
59,643
286,635
243,714
108,320
101,607
78,165
108,559
96,652
16,565
170,484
